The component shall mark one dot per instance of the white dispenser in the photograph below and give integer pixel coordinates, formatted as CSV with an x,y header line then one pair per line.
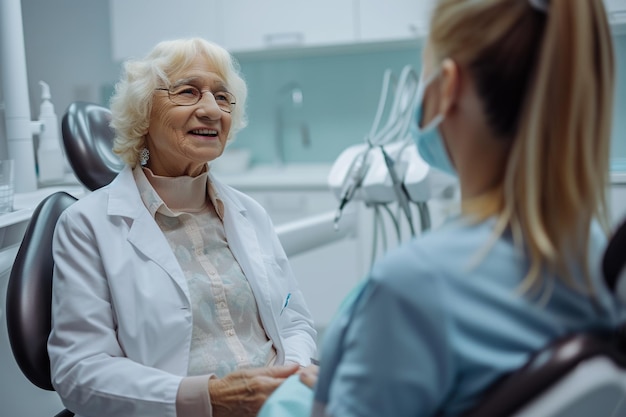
x,y
49,153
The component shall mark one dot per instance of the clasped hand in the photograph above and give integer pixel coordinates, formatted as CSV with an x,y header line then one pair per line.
x,y
242,393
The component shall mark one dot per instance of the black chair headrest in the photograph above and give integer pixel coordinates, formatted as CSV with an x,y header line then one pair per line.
x,y
88,141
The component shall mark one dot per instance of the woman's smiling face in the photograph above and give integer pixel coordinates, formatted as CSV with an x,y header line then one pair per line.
x,y
182,139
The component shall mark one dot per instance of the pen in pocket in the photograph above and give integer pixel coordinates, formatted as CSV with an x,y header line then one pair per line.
x,y
286,303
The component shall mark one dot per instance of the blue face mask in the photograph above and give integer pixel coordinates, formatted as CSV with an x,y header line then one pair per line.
x,y
429,142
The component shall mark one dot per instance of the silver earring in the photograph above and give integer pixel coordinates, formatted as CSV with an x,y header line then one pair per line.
x,y
144,155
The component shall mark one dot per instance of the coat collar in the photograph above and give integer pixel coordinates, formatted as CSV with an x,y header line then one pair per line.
x,y
222,195
145,235
124,198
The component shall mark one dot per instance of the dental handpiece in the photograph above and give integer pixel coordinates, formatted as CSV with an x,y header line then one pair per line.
x,y
357,173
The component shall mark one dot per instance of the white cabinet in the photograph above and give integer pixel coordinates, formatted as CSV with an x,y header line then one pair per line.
x,y
138,25
251,25
393,19
265,25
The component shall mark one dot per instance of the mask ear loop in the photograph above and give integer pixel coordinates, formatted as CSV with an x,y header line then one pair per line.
x,y
421,94
433,123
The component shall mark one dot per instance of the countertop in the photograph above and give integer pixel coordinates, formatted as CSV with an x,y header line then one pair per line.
x,y
24,204
618,178
286,177
259,177
313,176
305,176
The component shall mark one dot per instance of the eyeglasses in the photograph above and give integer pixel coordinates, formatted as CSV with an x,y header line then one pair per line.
x,y
188,95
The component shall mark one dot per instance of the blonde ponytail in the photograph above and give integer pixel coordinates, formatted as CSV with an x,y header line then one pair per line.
x,y
557,171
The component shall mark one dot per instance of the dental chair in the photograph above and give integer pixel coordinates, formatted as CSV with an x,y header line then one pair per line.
x,y
29,293
87,139
581,375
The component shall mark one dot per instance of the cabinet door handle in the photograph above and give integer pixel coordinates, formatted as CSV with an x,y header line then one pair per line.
x,y
284,39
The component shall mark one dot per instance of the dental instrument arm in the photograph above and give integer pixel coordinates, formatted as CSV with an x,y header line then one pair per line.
x,y
305,234
355,178
387,168
398,187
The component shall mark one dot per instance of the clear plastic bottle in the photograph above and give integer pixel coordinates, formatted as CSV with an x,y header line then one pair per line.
x,y
49,153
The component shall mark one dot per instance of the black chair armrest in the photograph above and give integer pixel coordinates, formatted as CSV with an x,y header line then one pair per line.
x,y
545,368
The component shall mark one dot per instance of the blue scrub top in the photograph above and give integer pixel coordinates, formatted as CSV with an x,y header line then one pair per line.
x,y
436,323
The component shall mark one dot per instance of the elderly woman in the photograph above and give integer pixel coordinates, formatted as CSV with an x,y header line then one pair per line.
x,y
169,286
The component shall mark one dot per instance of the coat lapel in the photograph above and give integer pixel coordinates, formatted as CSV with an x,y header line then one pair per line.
x,y
244,243
144,233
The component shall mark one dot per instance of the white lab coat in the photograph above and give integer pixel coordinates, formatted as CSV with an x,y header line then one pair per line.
x,y
121,313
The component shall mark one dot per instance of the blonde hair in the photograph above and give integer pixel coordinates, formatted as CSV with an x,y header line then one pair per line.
x,y
546,82
132,102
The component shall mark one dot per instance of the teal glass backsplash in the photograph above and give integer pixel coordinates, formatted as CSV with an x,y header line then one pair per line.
x,y
340,93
